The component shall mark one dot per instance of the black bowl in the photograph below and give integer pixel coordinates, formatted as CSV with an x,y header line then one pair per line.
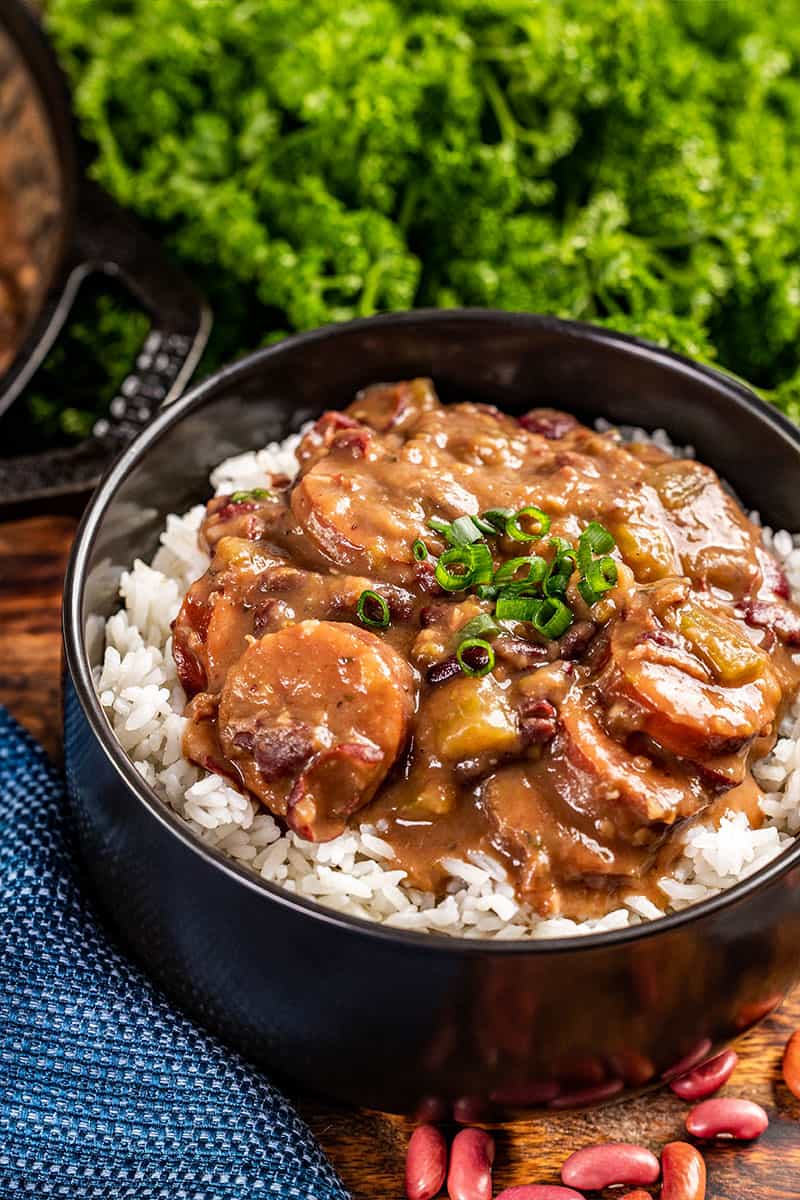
x,y
380,1017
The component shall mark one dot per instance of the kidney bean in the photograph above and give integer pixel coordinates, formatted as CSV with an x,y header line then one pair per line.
x,y
597,1167
637,1195
706,1079
523,1095
692,1059
740,1119
683,1171
471,1158
540,1191
426,1163
791,1064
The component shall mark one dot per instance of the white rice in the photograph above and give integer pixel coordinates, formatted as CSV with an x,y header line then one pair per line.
x,y
144,702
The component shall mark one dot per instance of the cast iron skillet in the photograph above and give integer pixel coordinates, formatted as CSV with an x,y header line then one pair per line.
x,y
380,1017
76,230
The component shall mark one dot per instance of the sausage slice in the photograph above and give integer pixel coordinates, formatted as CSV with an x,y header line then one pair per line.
x,y
313,717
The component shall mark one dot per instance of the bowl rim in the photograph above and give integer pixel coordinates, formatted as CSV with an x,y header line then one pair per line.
x,y
80,673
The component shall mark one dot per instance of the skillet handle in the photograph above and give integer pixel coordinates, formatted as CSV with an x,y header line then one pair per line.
x,y
108,241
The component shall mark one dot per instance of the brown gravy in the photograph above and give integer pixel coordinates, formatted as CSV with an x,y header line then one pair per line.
x,y
578,757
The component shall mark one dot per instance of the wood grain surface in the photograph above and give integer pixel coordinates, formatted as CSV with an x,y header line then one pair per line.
x,y
367,1148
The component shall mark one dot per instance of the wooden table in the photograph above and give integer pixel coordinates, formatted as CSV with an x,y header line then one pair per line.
x,y
367,1148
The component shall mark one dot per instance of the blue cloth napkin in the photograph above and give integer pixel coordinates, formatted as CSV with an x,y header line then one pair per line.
x,y
107,1092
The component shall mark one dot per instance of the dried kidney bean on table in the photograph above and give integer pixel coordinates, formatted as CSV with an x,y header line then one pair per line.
x,y
596,1167
426,1163
706,1079
742,1120
471,1158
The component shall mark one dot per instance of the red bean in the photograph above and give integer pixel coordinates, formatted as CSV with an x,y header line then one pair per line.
x,y
426,1163
540,1191
683,1171
597,1167
706,1079
689,1061
740,1119
471,1158
791,1064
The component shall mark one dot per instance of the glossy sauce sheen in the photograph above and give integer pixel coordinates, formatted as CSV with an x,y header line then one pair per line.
x,y
576,762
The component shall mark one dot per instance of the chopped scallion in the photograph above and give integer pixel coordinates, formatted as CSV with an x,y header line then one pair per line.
x,y
463,531
517,608
553,617
475,656
497,517
481,626
508,572
372,610
530,512
253,494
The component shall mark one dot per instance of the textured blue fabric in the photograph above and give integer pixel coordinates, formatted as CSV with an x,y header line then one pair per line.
x,y
106,1092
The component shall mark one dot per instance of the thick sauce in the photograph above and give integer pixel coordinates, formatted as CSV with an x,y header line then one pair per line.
x,y
575,760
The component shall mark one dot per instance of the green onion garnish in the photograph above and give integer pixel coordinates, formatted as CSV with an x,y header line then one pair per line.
x,y
454,581
481,564
481,626
463,531
497,517
601,575
476,562
507,573
372,610
438,524
513,526
475,656
517,608
486,591
553,617
594,540
486,527
419,550
253,494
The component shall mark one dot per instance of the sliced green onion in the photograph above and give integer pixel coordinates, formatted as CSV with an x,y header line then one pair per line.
x,y
486,591
561,568
514,528
372,610
598,537
419,550
563,548
486,527
517,608
485,656
455,581
507,573
481,564
438,525
481,626
497,517
594,540
553,617
463,531
253,494
601,576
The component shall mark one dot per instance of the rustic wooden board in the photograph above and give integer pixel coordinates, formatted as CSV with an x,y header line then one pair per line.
x,y
366,1147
